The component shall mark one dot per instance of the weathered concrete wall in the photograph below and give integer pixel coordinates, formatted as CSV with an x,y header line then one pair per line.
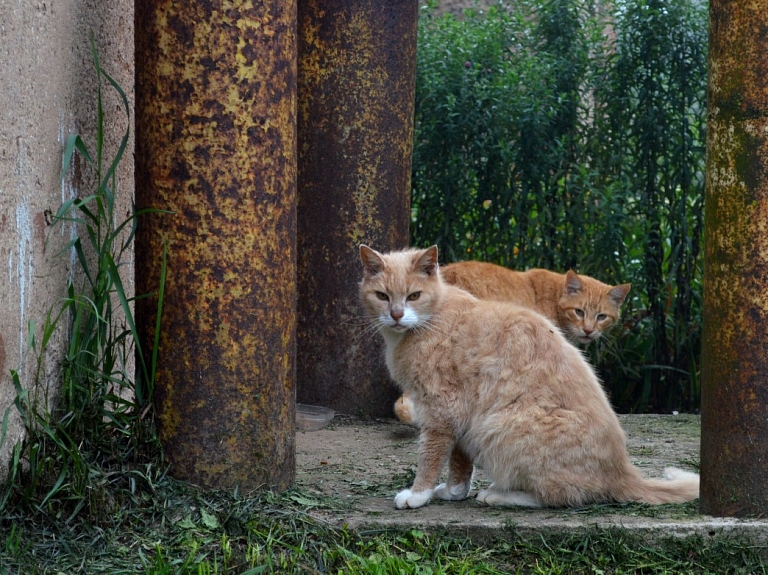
x,y
48,91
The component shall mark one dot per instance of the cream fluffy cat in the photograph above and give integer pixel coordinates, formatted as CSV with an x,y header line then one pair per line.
x,y
581,306
499,385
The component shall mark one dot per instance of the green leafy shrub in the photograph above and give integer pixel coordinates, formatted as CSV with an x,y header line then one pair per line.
x,y
564,134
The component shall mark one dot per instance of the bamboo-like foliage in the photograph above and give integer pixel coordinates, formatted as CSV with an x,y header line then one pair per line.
x,y
564,134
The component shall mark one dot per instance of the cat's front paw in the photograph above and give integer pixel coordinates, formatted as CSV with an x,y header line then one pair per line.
x,y
408,499
454,492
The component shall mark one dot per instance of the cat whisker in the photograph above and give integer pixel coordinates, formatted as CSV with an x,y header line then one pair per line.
x,y
366,331
357,321
431,326
370,329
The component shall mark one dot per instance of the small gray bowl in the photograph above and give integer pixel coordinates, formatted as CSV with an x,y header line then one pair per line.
x,y
312,417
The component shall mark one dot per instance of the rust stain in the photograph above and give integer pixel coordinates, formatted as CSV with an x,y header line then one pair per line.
x,y
216,139
40,227
734,363
357,64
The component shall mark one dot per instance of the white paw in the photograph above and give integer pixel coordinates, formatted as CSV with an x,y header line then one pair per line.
x,y
407,499
483,495
507,498
454,493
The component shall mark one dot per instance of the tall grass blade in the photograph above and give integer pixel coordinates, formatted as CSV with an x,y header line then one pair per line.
x,y
97,425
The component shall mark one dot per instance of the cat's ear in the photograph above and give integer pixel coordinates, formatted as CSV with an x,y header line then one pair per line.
x,y
372,260
427,262
619,293
572,283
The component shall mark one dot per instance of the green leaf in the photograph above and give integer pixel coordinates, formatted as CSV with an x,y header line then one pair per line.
x,y
209,521
186,523
74,142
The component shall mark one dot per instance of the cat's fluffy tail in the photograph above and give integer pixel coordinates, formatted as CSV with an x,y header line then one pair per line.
x,y
677,486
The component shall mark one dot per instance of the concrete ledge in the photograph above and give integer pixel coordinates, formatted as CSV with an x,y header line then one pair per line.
x,y
355,467
479,523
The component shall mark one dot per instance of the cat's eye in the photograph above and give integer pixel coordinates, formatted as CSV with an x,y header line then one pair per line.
x,y
414,296
601,317
579,312
382,296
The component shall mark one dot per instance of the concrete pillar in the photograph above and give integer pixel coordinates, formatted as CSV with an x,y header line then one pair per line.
x,y
216,145
734,403
357,61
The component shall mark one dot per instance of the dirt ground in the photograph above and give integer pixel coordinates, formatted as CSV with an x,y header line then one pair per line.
x,y
361,464
354,459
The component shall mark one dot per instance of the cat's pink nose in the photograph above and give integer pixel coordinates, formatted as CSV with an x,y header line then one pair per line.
x,y
396,313
588,331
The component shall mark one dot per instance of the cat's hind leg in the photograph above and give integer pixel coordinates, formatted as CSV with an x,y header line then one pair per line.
x,y
497,498
459,483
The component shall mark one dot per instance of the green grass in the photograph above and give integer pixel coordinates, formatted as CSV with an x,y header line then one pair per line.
x,y
168,527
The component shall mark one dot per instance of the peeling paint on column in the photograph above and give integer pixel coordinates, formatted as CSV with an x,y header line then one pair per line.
x,y
25,268
734,447
357,62
216,138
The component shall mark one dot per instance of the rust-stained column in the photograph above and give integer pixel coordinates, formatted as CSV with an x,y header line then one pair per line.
x,y
216,145
734,404
357,61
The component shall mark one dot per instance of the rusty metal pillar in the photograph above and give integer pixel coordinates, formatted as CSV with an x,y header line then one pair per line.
x,y
734,403
357,64
216,145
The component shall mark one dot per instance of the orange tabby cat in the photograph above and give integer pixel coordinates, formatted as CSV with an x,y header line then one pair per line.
x,y
499,385
582,307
